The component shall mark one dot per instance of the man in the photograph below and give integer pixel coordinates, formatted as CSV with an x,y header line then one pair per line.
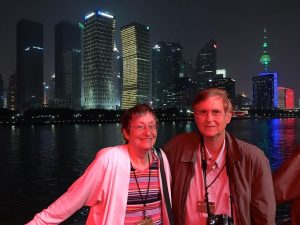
x,y
215,173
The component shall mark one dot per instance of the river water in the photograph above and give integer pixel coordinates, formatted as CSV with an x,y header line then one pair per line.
x,y
38,163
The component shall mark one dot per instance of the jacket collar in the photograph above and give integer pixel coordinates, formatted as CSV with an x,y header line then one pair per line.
x,y
191,147
234,153
194,142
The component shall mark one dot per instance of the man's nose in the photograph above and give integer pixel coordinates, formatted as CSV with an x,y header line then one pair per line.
x,y
209,116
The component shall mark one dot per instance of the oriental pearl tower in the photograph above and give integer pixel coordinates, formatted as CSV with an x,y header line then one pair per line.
x,y
265,59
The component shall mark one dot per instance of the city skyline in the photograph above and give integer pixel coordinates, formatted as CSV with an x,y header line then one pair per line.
x,y
237,27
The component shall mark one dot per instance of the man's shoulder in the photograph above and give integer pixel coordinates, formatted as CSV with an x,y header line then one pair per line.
x,y
184,138
185,142
247,149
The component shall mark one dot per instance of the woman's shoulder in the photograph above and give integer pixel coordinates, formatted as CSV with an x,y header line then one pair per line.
x,y
112,152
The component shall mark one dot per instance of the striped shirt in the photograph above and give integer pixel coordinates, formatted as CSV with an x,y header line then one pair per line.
x,y
135,206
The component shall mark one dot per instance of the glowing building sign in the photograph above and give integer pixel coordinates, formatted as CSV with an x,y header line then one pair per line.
x,y
89,15
105,14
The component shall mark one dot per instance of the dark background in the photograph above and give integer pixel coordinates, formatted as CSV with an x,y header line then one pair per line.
x,y
236,25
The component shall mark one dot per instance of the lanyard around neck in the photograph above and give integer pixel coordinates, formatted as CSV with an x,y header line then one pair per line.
x,y
149,175
204,170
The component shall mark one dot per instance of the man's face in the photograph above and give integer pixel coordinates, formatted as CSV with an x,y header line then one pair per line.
x,y
211,118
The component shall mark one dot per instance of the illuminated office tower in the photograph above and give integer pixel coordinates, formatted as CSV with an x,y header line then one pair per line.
x,y
68,63
227,83
265,91
281,98
264,94
290,99
161,76
136,64
98,76
118,76
167,68
30,59
11,92
178,84
1,92
206,64
285,98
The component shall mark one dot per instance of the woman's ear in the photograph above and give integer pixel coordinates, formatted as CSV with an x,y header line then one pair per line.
x,y
125,134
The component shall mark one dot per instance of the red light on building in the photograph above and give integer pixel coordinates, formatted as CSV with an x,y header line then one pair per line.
x,y
289,98
285,98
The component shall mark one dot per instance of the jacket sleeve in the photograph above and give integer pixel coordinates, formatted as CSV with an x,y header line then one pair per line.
x,y
263,206
286,180
84,191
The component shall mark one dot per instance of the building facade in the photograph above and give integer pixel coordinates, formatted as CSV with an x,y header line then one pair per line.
x,y
286,98
227,83
1,92
98,75
167,69
206,64
265,93
118,77
68,63
12,92
161,77
30,60
136,64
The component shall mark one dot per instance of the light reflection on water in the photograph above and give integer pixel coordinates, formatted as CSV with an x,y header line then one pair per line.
x,y
38,163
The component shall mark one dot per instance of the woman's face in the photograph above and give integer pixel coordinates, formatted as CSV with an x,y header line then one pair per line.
x,y
142,132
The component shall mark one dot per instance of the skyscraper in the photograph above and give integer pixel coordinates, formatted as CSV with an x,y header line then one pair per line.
x,y
265,91
136,64
289,99
68,62
227,83
12,92
98,77
206,64
29,64
118,76
167,68
264,95
285,98
161,74
1,92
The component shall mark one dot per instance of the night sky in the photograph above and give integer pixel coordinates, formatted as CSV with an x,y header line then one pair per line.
x,y
237,26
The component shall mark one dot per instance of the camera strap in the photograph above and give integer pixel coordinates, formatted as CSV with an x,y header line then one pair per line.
x,y
204,170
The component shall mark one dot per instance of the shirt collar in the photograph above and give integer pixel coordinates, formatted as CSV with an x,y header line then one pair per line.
x,y
220,160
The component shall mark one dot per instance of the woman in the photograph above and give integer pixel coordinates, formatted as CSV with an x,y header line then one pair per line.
x,y
123,184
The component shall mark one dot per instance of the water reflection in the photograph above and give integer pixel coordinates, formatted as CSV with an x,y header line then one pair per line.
x,y
277,138
38,163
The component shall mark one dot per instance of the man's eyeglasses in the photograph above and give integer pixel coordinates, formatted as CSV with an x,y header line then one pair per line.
x,y
204,113
142,127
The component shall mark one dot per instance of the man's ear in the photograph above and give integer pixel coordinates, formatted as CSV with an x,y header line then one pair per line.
x,y
228,117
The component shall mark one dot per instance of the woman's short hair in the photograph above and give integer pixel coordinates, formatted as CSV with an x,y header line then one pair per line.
x,y
212,92
137,110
